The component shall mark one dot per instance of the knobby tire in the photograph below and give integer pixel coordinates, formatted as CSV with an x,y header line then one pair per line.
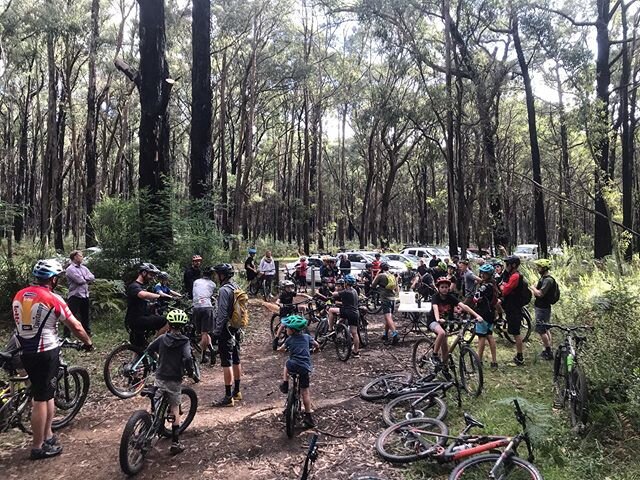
x,y
132,447
478,467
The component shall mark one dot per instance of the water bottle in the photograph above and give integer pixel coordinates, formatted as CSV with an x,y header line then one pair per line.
x,y
419,301
570,362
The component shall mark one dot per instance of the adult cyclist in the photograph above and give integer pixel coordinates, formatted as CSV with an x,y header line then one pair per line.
x,y
139,317
36,312
250,266
511,293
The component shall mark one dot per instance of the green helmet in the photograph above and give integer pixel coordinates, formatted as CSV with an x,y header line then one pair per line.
x,y
177,318
543,263
295,322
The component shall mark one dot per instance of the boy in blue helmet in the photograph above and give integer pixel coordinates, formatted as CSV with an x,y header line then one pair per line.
x,y
485,300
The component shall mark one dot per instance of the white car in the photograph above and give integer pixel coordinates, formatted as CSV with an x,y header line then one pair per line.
x,y
527,251
395,266
404,258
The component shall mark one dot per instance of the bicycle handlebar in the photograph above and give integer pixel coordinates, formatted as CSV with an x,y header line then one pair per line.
x,y
567,329
66,343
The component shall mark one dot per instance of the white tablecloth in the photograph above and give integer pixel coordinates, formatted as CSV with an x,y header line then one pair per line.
x,y
425,307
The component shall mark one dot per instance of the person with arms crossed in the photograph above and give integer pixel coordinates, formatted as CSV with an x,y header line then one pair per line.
x,y
78,279
191,274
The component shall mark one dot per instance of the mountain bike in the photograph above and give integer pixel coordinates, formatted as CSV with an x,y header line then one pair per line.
x,y
293,404
419,404
144,428
127,369
500,328
71,390
340,336
426,438
469,364
372,301
569,379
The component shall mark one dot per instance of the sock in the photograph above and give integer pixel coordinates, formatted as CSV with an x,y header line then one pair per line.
x,y
174,433
227,390
236,386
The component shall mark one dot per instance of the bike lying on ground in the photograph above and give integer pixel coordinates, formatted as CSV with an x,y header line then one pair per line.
x,y
144,428
71,390
426,438
569,379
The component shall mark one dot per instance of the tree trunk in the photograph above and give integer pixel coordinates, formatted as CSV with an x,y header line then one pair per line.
x,y
567,216
90,152
627,135
50,161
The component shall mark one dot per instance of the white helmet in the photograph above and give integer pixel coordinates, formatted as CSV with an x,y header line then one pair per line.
x,y
47,269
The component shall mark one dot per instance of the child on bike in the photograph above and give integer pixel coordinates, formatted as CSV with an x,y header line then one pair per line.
x,y
348,309
485,300
174,358
287,307
301,273
299,346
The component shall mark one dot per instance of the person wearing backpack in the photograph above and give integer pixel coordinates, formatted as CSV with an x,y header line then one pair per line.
x,y
386,284
227,333
512,287
546,293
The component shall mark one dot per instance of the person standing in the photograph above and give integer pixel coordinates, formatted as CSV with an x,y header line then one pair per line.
x,y
191,274
388,289
250,267
203,311
511,303
268,269
36,312
469,281
543,292
228,338
434,261
301,273
78,279
345,264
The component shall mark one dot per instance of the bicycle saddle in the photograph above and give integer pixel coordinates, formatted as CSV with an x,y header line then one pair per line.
x,y
469,420
149,391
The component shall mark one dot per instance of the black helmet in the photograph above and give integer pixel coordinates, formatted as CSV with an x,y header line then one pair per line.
x,y
148,267
163,276
384,266
224,269
377,255
368,266
512,260
207,272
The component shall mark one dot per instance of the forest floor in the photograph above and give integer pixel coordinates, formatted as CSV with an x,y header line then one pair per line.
x,y
249,441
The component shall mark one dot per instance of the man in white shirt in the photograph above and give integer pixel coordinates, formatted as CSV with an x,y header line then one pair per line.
x,y
203,311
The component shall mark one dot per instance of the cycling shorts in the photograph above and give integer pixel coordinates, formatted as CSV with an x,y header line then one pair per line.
x,y
42,368
229,348
203,319
484,329
303,374
388,306
514,319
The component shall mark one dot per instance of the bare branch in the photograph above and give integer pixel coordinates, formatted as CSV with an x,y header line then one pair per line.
x,y
566,16
131,73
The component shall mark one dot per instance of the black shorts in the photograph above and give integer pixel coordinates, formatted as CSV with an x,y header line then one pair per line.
x,y
302,281
514,319
42,368
351,316
303,374
229,348
203,319
388,306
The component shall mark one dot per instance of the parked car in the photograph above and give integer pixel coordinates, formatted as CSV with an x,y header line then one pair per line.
x,y
313,261
421,252
401,257
395,266
527,251
556,251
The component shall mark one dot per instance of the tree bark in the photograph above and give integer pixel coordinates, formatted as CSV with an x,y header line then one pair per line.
x,y
90,152
50,162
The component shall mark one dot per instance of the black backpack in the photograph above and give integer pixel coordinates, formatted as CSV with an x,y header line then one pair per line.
x,y
554,294
524,294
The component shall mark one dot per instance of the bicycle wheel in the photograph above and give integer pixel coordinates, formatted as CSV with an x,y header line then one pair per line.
x,y
274,324
525,327
321,332
363,332
253,287
121,380
560,378
421,356
411,440
69,397
470,368
480,466
343,342
134,443
188,407
403,408
21,403
373,304
578,397
382,386
290,412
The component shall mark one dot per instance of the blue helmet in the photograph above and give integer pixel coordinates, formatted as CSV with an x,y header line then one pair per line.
x,y
252,251
487,268
350,279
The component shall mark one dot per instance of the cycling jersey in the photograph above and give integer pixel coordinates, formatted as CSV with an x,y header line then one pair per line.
x,y
375,267
203,290
36,311
302,269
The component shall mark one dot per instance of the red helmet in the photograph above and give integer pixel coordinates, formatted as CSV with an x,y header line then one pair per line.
x,y
196,258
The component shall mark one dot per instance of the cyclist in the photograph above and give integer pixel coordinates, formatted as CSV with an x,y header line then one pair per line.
x,y
422,267
250,266
469,280
485,300
408,276
344,265
541,306
174,359
139,319
301,272
376,265
511,294
191,273
366,277
287,308
424,285
299,346
499,269
268,270
163,286
388,301
203,312
442,309
440,270
228,338
36,312
348,309
434,261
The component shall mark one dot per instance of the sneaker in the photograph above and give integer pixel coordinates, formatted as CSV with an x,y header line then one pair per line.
x,y
518,360
385,338
237,396
307,420
176,448
395,338
494,365
47,451
546,355
284,387
435,359
355,354
224,402
52,441
274,344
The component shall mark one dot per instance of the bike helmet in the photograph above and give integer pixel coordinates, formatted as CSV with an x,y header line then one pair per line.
x,y
350,279
163,276
368,266
208,271
442,266
384,266
224,269
295,322
487,268
442,280
177,318
252,251
303,259
377,255
287,283
47,269
148,267
409,265
512,260
340,281
544,263
196,258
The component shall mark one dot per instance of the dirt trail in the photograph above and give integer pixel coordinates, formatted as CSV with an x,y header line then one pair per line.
x,y
244,442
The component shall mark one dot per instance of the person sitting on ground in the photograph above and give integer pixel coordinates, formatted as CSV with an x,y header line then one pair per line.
x,y
299,346
442,309
348,309
174,358
163,286
485,300
203,311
